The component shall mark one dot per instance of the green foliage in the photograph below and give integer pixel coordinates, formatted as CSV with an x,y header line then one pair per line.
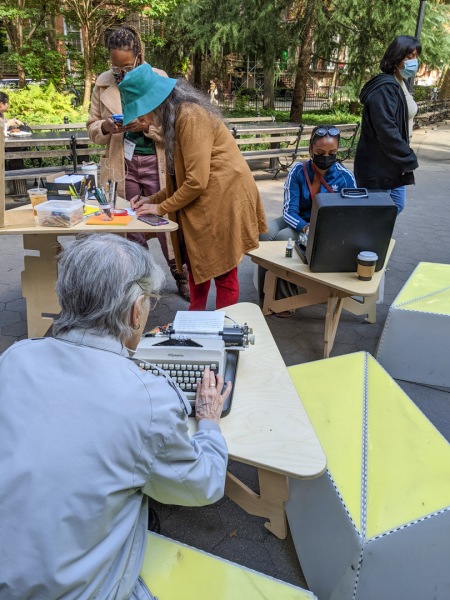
x,y
422,92
37,104
41,63
364,28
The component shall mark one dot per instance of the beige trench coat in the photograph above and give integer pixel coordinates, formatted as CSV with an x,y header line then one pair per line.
x,y
105,102
216,201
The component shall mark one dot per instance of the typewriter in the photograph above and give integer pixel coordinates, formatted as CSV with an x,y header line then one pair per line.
x,y
184,354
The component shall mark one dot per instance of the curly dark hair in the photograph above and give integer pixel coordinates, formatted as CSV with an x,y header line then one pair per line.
x,y
127,38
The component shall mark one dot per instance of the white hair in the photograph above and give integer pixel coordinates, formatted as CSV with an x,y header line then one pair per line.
x,y
100,277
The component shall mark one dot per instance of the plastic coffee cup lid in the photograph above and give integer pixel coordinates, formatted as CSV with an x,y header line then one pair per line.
x,y
368,255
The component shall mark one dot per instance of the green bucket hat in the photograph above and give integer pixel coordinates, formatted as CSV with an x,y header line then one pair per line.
x,y
142,90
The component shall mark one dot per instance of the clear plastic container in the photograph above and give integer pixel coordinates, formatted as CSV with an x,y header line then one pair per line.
x,y
55,213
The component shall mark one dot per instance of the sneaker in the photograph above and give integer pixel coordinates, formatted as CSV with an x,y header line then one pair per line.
x,y
182,281
285,314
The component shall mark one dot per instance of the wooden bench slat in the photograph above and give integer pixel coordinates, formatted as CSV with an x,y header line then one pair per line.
x,y
250,120
55,127
54,153
266,140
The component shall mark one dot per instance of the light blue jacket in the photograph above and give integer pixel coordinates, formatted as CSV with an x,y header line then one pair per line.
x,y
84,433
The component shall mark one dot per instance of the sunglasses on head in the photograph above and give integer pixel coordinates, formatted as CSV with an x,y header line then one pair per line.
x,y
323,131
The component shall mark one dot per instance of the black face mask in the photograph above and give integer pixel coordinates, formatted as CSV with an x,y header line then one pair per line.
x,y
324,162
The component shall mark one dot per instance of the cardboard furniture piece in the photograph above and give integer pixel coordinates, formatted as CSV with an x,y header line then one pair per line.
x,y
376,525
415,342
174,570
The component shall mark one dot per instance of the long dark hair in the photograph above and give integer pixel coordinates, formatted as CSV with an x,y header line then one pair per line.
x,y
400,47
167,112
4,98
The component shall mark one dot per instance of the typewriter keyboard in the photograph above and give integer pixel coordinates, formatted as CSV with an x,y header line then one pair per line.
x,y
185,374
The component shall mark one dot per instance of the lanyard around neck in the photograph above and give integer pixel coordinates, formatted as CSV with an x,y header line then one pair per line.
x,y
308,180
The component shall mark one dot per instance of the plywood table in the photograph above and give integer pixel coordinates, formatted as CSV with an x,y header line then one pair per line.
x,y
39,274
338,290
267,426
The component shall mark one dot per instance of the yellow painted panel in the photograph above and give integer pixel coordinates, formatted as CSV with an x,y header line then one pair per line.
x,y
436,303
173,571
426,279
332,392
408,459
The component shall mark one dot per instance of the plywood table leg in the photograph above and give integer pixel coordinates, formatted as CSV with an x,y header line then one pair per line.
x,y
269,503
334,309
38,282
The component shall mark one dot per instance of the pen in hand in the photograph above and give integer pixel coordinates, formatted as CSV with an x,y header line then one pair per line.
x,y
134,202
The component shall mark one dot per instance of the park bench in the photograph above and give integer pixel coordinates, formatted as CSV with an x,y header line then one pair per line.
x,y
279,144
430,112
68,142
286,143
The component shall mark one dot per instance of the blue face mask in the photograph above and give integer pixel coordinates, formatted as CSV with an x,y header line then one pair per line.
x,y
410,68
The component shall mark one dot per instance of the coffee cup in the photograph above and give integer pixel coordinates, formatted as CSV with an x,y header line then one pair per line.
x,y
90,169
37,196
367,262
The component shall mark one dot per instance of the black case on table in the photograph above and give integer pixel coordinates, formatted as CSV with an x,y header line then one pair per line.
x,y
346,223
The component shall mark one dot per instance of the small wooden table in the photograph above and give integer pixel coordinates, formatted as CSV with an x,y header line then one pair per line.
x,y
39,274
336,289
267,426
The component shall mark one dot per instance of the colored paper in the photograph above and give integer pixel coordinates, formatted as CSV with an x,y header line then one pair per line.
x,y
114,222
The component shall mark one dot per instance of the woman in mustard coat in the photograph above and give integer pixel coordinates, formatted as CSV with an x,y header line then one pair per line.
x,y
210,190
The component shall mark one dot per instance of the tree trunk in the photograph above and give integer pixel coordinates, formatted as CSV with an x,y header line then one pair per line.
x,y
304,61
197,62
87,87
21,76
268,94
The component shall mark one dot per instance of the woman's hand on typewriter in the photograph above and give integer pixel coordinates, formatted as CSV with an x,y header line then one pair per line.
x,y
209,401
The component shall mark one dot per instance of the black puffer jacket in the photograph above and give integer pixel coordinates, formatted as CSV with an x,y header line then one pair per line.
x,y
383,158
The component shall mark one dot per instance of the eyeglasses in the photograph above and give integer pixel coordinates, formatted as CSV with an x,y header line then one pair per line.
x,y
126,69
154,298
323,131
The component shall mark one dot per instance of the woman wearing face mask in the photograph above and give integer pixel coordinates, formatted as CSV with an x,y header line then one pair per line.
x,y
320,174
384,159
135,153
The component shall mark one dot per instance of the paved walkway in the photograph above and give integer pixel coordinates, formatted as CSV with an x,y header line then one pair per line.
x,y
422,233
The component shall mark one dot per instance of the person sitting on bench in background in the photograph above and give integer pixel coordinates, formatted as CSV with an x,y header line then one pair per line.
x,y
86,435
4,106
322,173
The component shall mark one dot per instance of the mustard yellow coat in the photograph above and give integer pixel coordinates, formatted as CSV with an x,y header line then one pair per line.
x,y
214,197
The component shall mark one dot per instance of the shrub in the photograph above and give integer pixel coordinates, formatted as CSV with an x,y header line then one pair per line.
x,y
38,104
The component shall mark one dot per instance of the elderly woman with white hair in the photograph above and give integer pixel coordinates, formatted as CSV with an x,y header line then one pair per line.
x,y
86,435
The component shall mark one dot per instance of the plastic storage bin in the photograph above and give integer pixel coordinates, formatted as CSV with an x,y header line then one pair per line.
x,y
55,213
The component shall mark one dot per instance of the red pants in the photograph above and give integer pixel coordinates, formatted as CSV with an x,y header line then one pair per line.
x,y
227,290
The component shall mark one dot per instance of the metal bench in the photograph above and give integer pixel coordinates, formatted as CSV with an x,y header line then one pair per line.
x,y
430,112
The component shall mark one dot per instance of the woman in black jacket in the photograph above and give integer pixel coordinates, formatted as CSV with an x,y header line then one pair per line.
x,y
384,159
